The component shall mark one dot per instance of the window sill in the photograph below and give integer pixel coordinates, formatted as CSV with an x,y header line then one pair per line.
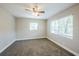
x,y
64,35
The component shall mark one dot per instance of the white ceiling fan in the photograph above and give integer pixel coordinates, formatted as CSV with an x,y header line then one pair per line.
x,y
36,10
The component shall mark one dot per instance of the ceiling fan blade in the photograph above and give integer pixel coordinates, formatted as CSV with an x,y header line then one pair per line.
x,y
41,11
28,9
34,10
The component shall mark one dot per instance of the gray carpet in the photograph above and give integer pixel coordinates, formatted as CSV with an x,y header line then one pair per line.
x,y
35,47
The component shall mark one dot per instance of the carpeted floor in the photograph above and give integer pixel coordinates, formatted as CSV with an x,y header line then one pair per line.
x,y
35,47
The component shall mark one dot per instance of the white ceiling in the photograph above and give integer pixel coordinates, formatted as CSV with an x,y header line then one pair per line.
x,y
18,9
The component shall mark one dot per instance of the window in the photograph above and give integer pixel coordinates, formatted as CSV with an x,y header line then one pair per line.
x,y
33,26
63,26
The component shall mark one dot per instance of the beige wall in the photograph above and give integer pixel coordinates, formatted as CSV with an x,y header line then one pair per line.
x,y
7,29
23,29
69,44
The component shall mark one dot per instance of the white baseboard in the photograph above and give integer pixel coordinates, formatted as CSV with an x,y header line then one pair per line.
x,y
28,38
7,46
63,47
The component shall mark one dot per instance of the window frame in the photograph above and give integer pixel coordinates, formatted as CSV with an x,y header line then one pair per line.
x,y
64,34
32,27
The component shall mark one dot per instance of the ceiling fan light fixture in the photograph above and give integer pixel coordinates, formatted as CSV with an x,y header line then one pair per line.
x,y
36,10
35,13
